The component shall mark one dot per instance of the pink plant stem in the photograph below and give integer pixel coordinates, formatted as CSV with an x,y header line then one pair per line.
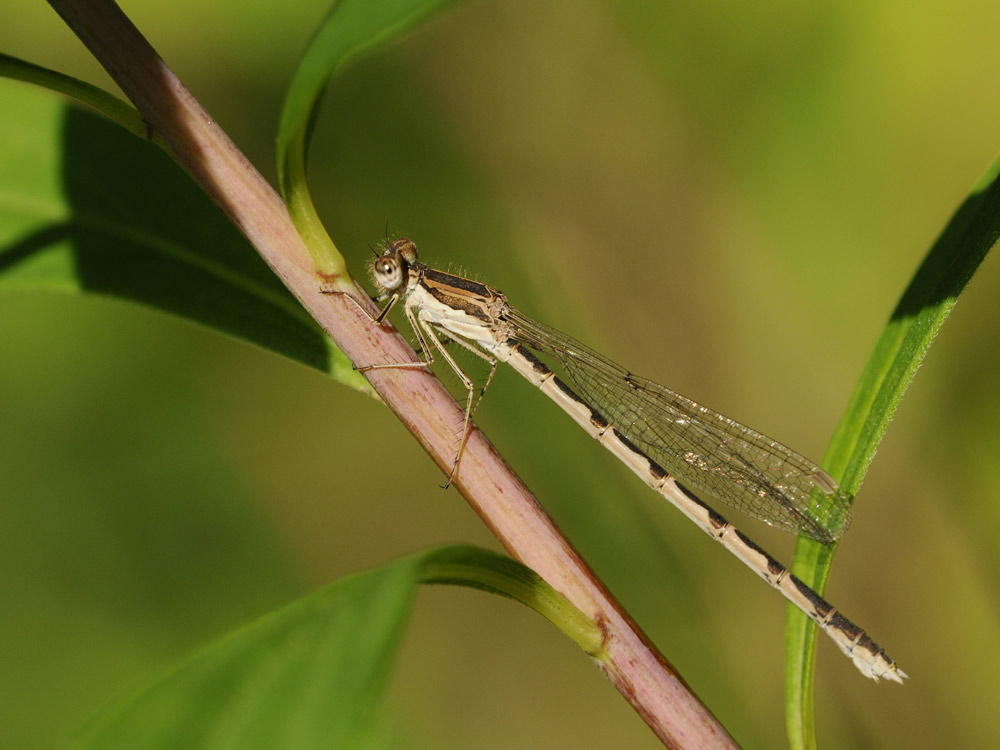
x,y
629,660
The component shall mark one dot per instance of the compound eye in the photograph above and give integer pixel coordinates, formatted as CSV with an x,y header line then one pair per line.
x,y
388,273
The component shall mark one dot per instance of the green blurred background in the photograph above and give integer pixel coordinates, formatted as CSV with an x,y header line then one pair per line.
x,y
726,197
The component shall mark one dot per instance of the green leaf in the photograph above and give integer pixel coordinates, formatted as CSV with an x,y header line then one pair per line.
x,y
308,675
351,30
930,296
107,104
86,207
311,674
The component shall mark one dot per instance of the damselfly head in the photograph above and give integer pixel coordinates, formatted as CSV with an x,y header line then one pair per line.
x,y
391,269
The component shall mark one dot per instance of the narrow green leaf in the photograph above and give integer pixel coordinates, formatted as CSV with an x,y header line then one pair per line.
x,y
499,574
351,30
107,104
311,674
86,207
930,296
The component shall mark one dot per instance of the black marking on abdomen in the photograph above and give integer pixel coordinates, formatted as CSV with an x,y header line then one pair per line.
x,y
773,566
714,518
872,648
598,421
536,364
655,469
848,628
544,370
595,417
823,608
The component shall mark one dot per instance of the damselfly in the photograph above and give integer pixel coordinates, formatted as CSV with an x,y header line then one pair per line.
x,y
677,446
